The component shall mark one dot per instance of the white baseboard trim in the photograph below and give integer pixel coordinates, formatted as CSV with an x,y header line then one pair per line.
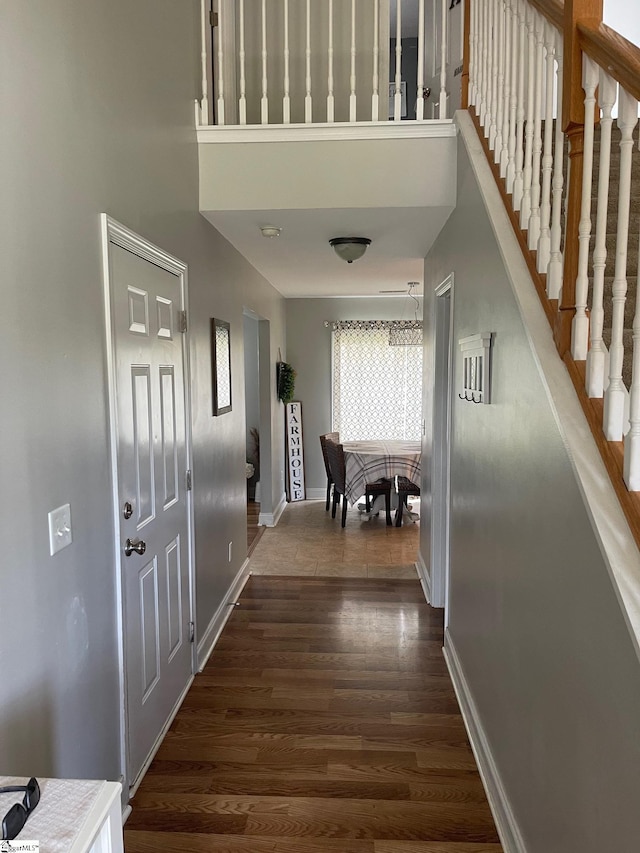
x,y
270,519
424,577
156,746
126,812
219,620
317,494
506,825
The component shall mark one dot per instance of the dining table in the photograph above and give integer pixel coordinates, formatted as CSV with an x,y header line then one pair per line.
x,y
368,461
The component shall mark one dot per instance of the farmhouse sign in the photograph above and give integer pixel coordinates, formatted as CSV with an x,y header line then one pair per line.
x,y
295,454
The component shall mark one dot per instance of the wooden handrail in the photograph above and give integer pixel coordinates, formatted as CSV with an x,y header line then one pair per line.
x,y
612,52
553,11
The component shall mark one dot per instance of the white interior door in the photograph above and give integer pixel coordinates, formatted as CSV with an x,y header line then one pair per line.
x,y
153,511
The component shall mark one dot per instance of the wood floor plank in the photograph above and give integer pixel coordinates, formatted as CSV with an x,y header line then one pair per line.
x,y
320,724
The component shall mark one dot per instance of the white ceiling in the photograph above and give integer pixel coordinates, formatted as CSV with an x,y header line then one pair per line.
x,y
301,263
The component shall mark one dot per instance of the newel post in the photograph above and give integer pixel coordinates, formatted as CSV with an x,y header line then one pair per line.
x,y
573,126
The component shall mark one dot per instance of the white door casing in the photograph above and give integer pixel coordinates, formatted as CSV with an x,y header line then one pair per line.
x,y
145,297
440,466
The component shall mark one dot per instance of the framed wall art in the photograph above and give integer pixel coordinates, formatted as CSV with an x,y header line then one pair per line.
x,y
221,366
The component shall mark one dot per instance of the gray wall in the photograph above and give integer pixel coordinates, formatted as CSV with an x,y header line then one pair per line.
x,y
309,351
533,615
97,106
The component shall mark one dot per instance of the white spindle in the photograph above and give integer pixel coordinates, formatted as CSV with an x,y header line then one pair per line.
x,y
420,86
397,98
330,98
499,103
473,55
264,101
631,468
554,270
220,101
442,102
614,397
518,181
506,98
308,103
536,157
525,210
352,77
596,357
486,59
513,98
493,81
375,96
242,102
580,325
286,97
204,102
544,242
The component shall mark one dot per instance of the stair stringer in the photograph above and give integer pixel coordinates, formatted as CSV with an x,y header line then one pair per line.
x,y
617,544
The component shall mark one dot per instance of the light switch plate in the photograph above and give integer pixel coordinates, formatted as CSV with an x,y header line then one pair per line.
x,y
60,529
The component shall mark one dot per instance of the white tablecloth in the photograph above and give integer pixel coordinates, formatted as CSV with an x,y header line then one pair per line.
x,y
368,461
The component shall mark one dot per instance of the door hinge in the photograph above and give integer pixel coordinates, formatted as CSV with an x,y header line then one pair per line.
x,y
213,18
182,320
187,480
192,632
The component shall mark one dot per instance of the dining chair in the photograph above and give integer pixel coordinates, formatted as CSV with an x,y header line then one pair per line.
x,y
371,492
335,453
404,487
328,436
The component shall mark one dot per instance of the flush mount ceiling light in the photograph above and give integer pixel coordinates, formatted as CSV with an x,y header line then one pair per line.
x,y
350,248
270,231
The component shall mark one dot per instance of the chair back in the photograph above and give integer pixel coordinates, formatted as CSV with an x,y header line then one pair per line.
x,y
335,453
328,436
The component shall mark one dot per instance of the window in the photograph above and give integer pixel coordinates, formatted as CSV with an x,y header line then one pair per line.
x,y
377,379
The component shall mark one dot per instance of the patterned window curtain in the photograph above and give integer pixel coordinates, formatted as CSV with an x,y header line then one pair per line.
x,y
377,379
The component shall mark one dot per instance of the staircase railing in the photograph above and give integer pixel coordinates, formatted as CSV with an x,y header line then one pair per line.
x,y
324,61
549,88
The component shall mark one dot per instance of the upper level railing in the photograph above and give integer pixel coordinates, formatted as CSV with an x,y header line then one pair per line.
x,y
325,61
555,95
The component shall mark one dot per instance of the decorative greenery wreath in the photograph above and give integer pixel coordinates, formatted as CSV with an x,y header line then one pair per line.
x,y
286,382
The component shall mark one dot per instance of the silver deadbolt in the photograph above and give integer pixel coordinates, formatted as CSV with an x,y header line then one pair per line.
x,y
127,510
136,545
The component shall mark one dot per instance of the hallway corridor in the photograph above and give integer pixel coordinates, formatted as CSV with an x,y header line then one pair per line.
x,y
324,721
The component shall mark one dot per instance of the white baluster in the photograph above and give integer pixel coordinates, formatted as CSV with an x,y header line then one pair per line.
x,y
420,85
510,175
220,101
596,357
493,81
485,63
554,270
286,98
504,148
544,243
614,397
580,325
397,98
352,77
473,54
308,103
525,210
330,98
242,101
264,101
631,467
518,181
203,118
442,102
375,96
536,158
499,102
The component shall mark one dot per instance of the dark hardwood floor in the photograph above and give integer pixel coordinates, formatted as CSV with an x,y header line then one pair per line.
x,y
324,722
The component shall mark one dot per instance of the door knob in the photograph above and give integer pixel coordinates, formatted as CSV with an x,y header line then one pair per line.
x,y
136,545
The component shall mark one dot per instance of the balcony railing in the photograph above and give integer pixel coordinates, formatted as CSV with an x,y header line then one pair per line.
x,y
285,62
